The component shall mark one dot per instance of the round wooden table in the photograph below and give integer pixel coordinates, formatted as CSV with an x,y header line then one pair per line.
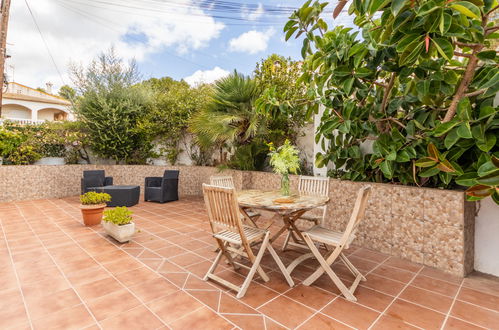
x,y
289,212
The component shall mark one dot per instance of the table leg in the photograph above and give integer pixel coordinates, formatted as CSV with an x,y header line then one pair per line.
x,y
289,224
247,217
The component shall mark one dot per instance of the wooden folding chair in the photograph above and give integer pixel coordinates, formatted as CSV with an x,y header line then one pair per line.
x,y
228,229
338,241
228,182
315,186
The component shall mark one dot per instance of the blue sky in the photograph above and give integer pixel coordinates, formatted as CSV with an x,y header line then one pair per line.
x,y
183,39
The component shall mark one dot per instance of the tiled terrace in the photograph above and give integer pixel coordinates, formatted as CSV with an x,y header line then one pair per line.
x,y
58,274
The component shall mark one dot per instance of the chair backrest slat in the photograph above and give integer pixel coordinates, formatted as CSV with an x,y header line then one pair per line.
x,y
358,213
223,209
222,181
313,185
316,186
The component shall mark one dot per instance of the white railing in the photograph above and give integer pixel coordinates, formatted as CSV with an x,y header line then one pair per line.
x,y
22,121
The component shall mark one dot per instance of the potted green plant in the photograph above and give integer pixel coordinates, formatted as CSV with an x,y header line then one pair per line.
x,y
284,160
118,223
92,207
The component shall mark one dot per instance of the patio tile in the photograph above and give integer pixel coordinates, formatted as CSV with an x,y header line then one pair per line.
x,y
186,259
372,299
210,298
202,318
416,315
310,296
43,288
98,288
382,284
479,298
231,305
393,273
390,322
137,318
194,283
351,313
13,317
177,279
321,321
403,264
74,317
112,304
293,315
247,322
258,295
426,298
174,306
475,314
435,285
153,289
455,324
42,306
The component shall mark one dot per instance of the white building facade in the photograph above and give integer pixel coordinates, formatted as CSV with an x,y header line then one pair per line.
x,y
27,105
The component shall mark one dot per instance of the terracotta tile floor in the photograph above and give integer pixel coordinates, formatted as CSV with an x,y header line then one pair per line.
x,y
57,273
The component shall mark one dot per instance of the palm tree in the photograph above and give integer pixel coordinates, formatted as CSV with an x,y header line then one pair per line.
x,y
230,118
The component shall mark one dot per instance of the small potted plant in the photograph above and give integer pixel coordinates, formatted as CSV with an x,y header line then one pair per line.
x,y
92,207
118,224
284,160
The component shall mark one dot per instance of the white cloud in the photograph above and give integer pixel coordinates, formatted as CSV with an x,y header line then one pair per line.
x,y
251,42
252,15
207,76
79,30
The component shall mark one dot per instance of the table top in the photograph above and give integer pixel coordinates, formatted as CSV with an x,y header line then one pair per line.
x,y
266,200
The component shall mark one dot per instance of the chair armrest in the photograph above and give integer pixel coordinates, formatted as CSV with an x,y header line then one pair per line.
x,y
153,181
108,181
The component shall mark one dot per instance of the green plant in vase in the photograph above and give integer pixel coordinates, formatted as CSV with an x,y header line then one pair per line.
x,y
284,160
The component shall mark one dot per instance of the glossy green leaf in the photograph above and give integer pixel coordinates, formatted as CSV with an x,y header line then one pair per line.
x,y
488,143
464,131
429,172
487,168
466,8
425,162
451,138
487,55
396,6
443,128
467,179
489,180
444,47
387,168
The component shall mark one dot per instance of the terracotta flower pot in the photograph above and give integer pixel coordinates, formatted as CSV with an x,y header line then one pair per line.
x,y
92,214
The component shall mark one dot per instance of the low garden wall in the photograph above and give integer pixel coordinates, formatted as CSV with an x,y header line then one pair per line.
x,y
429,226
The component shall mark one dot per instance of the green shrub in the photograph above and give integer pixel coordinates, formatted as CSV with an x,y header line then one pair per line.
x,y
94,198
119,216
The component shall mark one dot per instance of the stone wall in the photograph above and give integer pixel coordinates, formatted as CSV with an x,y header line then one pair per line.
x,y
430,226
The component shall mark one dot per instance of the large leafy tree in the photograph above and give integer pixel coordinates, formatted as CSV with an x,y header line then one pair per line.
x,y
111,107
284,99
229,119
418,82
174,102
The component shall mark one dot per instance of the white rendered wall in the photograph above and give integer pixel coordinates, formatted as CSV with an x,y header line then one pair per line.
x,y
487,234
487,238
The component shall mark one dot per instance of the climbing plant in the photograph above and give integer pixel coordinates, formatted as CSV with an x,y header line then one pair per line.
x,y
408,95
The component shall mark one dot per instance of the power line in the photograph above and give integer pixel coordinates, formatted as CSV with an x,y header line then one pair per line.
x,y
44,41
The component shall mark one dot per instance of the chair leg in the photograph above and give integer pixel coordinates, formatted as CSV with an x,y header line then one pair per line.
x,y
213,265
280,265
286,241
326,266
256,267
351,267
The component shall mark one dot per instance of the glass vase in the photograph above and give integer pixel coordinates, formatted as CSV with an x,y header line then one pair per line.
x,y
285,185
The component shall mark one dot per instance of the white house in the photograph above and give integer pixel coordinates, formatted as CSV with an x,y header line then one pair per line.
x,y
27,105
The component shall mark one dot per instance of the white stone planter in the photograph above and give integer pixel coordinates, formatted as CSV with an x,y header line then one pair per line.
x,y
1,160
51,161
120,233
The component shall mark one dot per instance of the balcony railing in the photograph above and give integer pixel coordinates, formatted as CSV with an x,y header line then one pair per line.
x,y
22,121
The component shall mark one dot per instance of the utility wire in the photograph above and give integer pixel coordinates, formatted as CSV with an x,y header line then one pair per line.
x,y
44,41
